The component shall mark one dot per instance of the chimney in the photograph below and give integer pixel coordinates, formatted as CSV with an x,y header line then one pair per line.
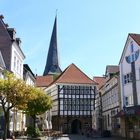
x,y
18,41
12,33
1,17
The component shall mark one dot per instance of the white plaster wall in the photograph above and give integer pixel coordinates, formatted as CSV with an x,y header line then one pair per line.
x,y
29,81
19,57
126,90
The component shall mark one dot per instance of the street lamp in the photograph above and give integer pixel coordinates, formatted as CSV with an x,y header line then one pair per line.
x,y
125,121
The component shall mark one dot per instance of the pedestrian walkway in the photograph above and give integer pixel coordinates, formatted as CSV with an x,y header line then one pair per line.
x,y
75,137
81,137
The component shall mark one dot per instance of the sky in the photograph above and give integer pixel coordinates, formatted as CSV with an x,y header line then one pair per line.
x,y
91,33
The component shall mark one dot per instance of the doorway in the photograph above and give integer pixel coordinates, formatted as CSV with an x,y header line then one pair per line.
x,y
76,126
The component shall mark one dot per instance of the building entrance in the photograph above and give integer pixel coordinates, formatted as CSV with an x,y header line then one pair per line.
x,y
76,126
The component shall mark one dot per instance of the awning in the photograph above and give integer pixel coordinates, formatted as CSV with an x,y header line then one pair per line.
x,y
129,111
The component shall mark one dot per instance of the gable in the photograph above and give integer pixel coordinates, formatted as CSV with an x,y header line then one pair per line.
x,y
73,75
127,51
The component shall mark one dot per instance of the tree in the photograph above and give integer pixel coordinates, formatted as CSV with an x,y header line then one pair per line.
x,y
14,93
38,105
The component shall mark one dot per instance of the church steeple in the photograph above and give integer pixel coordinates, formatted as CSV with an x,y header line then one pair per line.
x,y
52,63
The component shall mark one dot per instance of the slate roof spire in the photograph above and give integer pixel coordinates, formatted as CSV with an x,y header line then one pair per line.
x,y
52,63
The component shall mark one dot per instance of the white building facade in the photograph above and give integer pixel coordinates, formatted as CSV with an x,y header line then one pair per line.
x,y
111,105
130,86
13,58
130,55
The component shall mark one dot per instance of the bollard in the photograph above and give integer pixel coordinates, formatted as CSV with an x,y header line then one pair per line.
x,y
13,137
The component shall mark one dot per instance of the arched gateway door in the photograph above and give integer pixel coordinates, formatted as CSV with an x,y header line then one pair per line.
x,y
76,126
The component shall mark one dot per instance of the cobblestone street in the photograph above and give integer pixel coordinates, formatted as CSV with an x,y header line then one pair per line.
x,y
73,137
81,137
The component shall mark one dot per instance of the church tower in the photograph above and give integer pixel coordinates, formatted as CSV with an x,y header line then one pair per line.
x,y
52,63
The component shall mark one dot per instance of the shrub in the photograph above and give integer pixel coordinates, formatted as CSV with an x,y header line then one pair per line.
x,y
33,132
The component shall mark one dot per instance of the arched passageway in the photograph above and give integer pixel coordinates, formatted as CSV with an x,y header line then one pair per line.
x,y
76,126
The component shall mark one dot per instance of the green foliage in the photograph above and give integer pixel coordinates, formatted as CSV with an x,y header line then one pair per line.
x,y
13,91
39,103
33,132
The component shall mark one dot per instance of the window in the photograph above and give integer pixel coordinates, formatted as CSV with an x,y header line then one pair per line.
x,y
88,107
77,89
128,78
65,107
73,106
20,68
81,102
87,90
73,101
126,101
77,101
108,120
68,89
77,107
81,107
17,65
65,101
129,100
69,101
14,62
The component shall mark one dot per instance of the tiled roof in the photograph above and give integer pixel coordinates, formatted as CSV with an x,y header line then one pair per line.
x,y
43,81
136,37
5,43
73,75
100,80
112,69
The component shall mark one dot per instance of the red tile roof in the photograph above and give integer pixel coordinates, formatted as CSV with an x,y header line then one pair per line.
x,y
136,37
73,75
100,80
112,69
43,81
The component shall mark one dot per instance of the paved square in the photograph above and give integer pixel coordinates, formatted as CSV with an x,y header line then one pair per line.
x,y
81,137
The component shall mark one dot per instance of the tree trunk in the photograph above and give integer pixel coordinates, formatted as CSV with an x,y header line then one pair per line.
x,y
34,125
34,121
6,124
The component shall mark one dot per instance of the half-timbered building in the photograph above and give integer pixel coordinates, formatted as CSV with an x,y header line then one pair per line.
x,y
73,100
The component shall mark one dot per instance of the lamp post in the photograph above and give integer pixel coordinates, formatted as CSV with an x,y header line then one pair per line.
x,y
125,121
